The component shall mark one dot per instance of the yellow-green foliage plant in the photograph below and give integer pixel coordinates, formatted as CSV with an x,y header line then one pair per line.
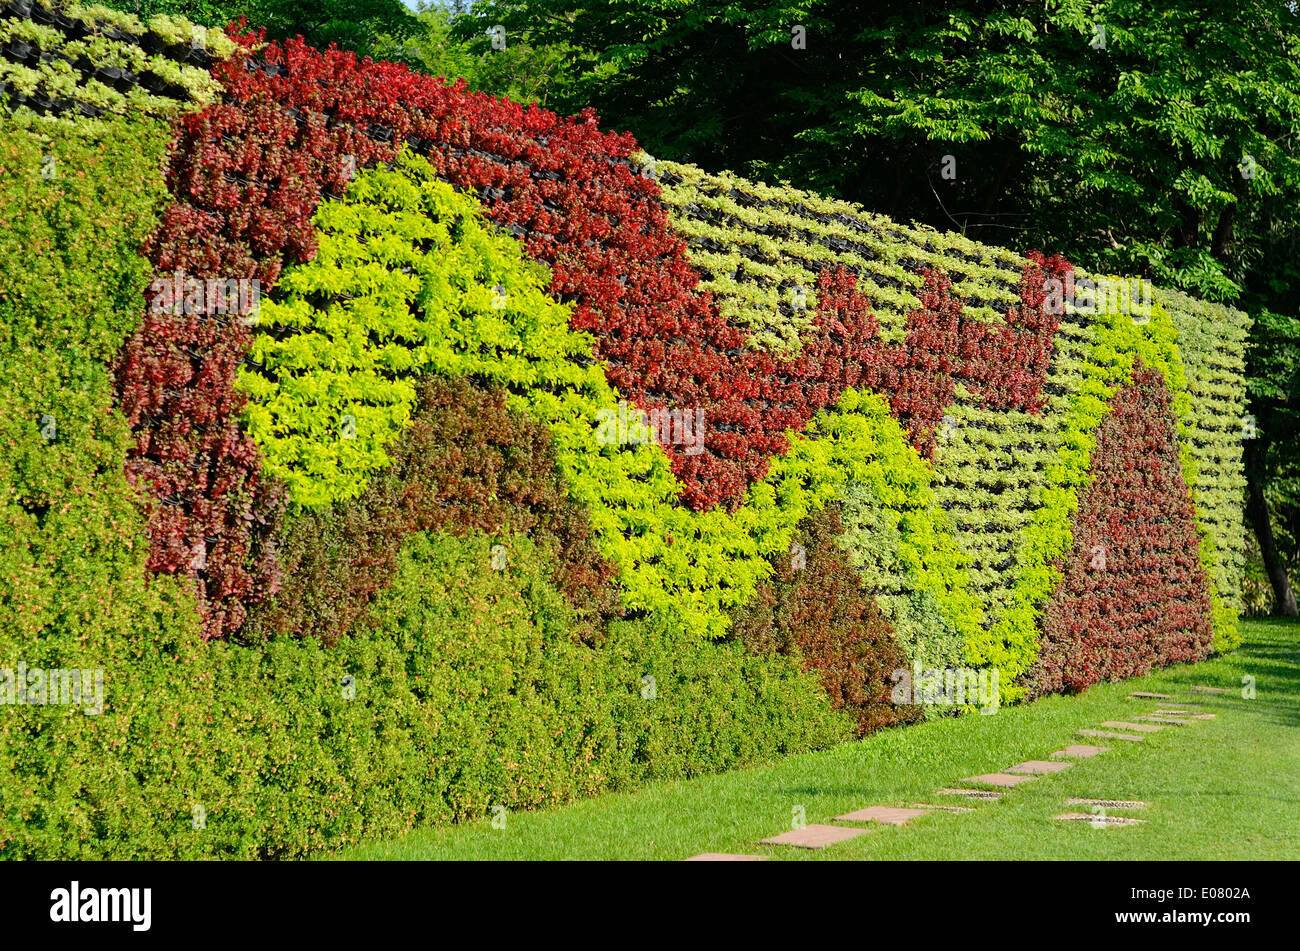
x,y
188,86
1118,339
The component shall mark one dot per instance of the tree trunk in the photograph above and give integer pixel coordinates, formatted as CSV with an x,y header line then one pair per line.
x,y
1284,604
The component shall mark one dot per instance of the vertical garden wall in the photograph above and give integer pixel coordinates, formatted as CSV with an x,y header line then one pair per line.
x,y
395,452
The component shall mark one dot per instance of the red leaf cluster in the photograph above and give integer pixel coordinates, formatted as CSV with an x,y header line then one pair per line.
x,y
1005,365
816,609
1134,594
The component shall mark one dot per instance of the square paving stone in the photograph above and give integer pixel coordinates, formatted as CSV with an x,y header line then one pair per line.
x,y
725,857
1135,727
1152,696
1100,822
1108,803
986,794
1166,721
886,815
1038,767
1216,690
815,836
1108,735
1080,751
932,807
998,779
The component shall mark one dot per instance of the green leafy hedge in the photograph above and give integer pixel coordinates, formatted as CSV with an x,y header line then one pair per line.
x,y
469,693
76,202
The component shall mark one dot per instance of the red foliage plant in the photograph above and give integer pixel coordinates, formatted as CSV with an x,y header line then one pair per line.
x,y
1005,364
465,463
1134,594
815,609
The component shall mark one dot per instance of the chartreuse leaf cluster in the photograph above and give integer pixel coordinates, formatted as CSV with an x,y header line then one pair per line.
x,y
1118,340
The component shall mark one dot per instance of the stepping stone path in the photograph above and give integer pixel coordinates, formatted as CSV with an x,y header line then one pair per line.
x,y
885,815
997,779
1173,714
932,807
1100,822
1107,735
1080,752
1136,727
815,836
1038,767
725,857
987,794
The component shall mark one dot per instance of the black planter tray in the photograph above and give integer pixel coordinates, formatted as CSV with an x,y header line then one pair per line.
x,y
19,51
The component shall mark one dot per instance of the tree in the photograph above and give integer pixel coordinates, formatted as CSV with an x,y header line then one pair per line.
x,y
447,43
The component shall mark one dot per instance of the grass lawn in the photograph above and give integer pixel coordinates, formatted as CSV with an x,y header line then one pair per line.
x,y
1227,788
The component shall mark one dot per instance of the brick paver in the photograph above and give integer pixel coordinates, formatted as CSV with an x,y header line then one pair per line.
x,y
1080,751
1135,727
1100,822
725,857
1110,735
815,836
885,815
1108,803
997,779
986,794
932,807
1039,767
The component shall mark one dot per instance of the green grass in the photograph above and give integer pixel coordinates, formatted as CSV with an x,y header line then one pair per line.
x,y
1227,788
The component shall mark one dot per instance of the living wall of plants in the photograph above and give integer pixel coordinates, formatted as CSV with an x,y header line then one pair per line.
x,y
1010,441
89,60
396,543
510,680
